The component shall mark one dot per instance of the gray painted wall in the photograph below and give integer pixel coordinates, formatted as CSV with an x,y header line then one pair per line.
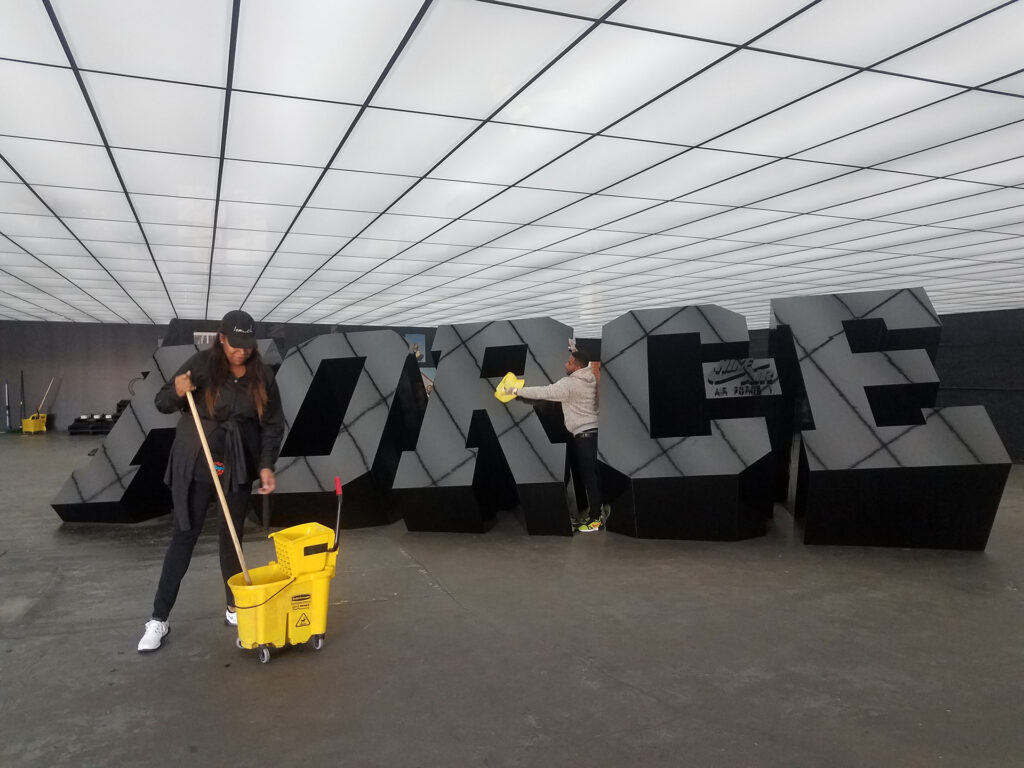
x,y
92,363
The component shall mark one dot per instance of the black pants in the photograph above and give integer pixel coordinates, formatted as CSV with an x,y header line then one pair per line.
x,y
179,553
586,460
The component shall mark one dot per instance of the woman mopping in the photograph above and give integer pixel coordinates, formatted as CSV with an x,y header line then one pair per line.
x,y
240,407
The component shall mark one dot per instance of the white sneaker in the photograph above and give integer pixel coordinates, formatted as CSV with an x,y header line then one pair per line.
x,y
230,618
155,631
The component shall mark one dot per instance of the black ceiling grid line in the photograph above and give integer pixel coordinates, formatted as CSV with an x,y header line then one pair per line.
x,y
110,154
769,51
232,45
84,247
734,128
676,199
693,75
56,298
713,138
480,125
413,26
718,213
43,309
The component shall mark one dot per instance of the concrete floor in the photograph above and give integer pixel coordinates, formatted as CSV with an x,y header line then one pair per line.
x,y
509,650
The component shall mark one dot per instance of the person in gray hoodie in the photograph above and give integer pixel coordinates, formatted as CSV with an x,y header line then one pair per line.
x,y
577,392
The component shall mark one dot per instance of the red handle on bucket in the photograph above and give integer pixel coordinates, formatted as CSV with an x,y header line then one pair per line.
x,y
337,486
337,524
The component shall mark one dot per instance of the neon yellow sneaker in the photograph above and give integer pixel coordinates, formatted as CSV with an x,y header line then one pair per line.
x,y
593,525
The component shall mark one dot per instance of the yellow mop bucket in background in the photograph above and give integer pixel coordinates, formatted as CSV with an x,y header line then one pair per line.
x,y
286,603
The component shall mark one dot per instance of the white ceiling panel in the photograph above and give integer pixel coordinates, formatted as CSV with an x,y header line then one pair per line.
x,y
612,72
43,102
185,41
167,117
328,49
742,88
431,75
506,164
389,141
864,32
281,130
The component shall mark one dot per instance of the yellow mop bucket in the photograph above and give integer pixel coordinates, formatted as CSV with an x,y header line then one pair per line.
x,y
286,604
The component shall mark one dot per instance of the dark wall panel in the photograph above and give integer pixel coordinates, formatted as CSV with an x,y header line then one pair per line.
x,y
93,364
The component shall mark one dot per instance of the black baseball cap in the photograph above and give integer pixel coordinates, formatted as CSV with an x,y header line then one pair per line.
x,y
239,329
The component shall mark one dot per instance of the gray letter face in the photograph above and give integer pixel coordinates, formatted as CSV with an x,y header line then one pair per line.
x,y
880,465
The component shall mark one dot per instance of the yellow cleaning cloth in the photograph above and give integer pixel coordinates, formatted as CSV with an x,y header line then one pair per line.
x,y
510,380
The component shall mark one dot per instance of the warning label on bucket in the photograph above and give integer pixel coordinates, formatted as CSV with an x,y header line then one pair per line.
x,y
303,621
301,602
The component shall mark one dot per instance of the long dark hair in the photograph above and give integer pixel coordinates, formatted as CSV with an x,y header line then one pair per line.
x,y
220,370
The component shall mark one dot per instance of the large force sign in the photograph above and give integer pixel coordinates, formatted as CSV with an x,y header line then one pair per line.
x,y
696,436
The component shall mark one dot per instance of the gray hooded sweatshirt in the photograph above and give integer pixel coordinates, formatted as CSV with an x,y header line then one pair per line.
x,y
578,395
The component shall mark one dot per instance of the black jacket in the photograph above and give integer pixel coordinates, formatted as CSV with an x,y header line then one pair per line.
x,y
234,431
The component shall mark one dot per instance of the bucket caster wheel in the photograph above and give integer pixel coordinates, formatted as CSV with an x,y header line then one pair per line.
x,y
238,643
263,654
317,641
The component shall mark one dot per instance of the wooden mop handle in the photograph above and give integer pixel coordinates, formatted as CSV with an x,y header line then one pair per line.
x,y
216,484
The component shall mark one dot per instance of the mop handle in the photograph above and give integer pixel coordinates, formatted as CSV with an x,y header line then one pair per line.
x,y
47,392
216,484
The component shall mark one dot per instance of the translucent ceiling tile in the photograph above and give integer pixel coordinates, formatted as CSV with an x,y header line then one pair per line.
x,y
648,245
980,150
248,239
361,251
325,50
27,33
613,71
766,182
141,114
731,21
1010,172
590,8
300,262
69,165
743,87
282,130
407,228
173,210
839,235
180,254
729,223
862,32
504,154
535,237
18,225
90,230
595,240
359,191
486,255
690,171
466,232
858,102
966,206
922,129
17,198
1012,84
600,163
186,40
275,218
388,141
432,74
853,186
795,227
86,204
993,42
43,102
449,199
664,216
267,183
595,211
521,205
993,220
319,221
891,204
162,174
